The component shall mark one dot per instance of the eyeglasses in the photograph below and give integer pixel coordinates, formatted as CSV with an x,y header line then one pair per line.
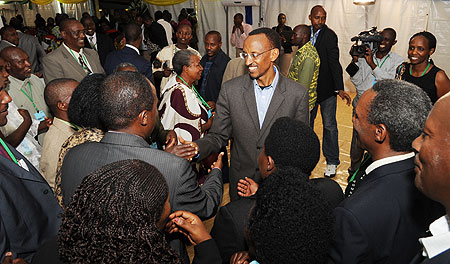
x,y
253,56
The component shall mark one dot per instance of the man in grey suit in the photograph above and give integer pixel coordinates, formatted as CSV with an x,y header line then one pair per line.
x,y
71,59
128,111
248,105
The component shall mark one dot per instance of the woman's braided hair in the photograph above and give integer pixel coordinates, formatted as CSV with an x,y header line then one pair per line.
x,y
113,215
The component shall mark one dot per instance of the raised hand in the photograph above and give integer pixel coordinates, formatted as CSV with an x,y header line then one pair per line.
x,y
189,225
247,187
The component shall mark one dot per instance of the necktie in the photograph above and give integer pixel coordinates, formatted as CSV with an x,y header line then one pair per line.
x,y
83,64
91,41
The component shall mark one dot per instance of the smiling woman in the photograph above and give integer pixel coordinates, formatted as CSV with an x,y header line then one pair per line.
x,y
421,69
182,108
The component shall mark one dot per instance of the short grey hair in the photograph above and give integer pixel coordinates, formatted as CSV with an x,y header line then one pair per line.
x,y
124,65
182,58
403,108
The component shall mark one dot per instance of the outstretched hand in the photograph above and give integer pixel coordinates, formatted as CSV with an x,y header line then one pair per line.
x,y
218,163
241,257
189,225
247,187
171,139
192,144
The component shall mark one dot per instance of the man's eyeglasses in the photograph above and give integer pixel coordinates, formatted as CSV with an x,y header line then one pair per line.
x,y
253,56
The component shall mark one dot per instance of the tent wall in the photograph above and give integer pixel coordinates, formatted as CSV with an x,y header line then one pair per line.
x,y
346,19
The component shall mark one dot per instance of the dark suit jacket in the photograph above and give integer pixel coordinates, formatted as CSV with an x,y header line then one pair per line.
x,y
383,220
158,35
330,70
105,45
215,75
236,117
443,258
184,191
232,219
29,213
128,54
61,64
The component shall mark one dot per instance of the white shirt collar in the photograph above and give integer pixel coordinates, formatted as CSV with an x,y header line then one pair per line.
x,y
440,239
94,38
132,47
73,51
388,160
9,42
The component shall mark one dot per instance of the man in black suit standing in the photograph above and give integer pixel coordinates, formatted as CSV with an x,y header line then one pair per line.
x,y
329,84
130,53
384,217
432,178
29,213
96,41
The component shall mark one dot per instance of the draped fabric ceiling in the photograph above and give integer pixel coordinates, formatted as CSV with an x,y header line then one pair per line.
x,y
152,2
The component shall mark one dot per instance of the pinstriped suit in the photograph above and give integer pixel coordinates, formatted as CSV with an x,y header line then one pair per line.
x,y
184,191
237,117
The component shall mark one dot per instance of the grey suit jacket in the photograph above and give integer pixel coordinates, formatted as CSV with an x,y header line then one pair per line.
x,y
30,44
60,64
184,191
237,118
5,44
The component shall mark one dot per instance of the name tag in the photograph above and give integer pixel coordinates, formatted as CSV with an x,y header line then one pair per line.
x,y
40,116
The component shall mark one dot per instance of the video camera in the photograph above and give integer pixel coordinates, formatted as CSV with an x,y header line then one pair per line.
x,y
370,38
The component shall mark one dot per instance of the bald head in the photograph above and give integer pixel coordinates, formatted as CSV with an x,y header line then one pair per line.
x,y
317,8
18,62
57,96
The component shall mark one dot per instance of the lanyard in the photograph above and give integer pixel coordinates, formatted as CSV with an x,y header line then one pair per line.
x,y
85,67
70,124
30,97
376,60
365,159
196,93
426,69
9,151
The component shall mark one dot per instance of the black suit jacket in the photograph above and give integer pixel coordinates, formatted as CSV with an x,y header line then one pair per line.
x,y
130,55
383,220
105,45
158,35
215,75
29,213
443,258
330,70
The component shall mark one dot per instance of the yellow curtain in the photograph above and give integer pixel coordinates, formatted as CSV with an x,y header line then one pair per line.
x,y
164,2
46,2
41,2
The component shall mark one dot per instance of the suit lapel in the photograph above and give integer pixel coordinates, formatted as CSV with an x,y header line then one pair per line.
x,y
320,36
71,60
250,101
275,103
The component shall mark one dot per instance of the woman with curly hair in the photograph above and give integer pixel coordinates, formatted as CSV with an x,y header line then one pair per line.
x,y
117,215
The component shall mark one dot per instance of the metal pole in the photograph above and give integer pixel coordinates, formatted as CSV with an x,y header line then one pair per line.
x,y
227,30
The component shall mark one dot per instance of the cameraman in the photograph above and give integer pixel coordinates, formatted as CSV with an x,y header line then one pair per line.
x,y
370,69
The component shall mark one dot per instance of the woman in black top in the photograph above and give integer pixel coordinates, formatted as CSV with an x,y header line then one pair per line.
x,y
421,69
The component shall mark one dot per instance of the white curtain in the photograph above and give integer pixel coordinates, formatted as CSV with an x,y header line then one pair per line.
x,y
346,19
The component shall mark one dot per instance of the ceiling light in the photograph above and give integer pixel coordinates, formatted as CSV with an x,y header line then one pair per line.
x,y
364,2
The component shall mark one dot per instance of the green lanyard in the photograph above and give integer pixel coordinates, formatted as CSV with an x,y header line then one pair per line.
x,y
196,93
85,68
376,60
426,69
365,159
70,124
9,151
30,97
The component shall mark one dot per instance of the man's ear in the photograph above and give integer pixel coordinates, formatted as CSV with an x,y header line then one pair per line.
x,y
380,133
270,164
62,106
274,53
143,117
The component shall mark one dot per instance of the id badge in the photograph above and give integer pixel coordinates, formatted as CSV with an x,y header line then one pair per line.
x,y
209,113
40,116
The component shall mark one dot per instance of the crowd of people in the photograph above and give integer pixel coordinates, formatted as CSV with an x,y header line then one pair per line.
x,y
114,135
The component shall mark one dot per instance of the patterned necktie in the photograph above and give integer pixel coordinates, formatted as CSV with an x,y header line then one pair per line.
x,y
91,41
83,64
